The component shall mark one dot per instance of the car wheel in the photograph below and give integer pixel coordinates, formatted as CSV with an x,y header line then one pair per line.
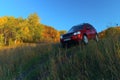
x,y
96,38
85,39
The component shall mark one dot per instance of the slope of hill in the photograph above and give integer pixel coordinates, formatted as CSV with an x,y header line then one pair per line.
x,y
111,31
95,61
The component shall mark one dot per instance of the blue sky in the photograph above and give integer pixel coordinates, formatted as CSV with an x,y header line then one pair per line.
x,y
63,14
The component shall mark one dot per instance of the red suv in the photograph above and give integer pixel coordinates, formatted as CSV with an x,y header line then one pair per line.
x,y
79,33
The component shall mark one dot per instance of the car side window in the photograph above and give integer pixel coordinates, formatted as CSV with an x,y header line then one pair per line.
x,y
80,27
91,27
88,27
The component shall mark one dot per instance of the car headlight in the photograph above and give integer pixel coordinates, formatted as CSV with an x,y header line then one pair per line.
x,y
61,37
76,33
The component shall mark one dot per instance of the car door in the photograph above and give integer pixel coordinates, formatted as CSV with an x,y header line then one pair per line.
x,y
93,32
88,32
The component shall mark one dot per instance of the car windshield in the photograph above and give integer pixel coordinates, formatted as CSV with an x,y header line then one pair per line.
x,y
75,28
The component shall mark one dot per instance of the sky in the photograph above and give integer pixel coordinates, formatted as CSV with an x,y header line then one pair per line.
x,y
63,14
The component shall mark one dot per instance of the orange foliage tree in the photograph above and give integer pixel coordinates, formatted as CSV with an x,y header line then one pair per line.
x,y
17,30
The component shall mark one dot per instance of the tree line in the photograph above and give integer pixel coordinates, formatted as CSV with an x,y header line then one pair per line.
x,y
29,30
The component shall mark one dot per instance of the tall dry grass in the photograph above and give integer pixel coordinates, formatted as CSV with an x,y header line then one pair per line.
x,y
95,61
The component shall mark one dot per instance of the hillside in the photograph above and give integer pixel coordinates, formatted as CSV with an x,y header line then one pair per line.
x,y
95,61
111,31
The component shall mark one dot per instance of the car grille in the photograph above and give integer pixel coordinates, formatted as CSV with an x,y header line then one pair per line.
x,y
67,35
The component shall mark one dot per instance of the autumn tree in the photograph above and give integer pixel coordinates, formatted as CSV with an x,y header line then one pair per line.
x,y
33,19
16,30
62,32
35,27
8,28
50,34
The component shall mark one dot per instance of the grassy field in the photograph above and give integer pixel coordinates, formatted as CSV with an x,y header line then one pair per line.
x,y
95,61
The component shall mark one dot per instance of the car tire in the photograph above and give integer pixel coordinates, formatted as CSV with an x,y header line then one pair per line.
x,y
85,39
96,38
